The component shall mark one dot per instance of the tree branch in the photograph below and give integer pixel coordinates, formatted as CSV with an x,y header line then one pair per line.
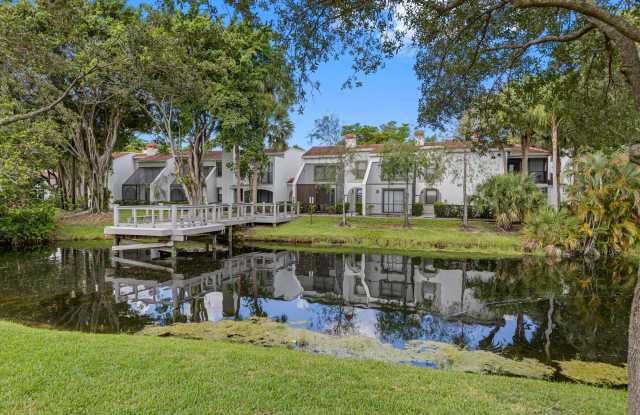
x,y
569,37
46,108
589,9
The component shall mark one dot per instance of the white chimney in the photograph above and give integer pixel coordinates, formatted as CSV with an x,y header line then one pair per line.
x,y
419,137
350,140
150,149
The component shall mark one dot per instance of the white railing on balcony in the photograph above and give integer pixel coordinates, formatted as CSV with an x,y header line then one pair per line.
x,y
184,216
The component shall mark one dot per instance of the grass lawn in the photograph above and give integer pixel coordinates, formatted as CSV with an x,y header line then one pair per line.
x,y
81,227
63,372
425,235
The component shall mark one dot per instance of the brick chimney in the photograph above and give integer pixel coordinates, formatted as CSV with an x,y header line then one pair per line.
x,y
350,140
419,137
150,149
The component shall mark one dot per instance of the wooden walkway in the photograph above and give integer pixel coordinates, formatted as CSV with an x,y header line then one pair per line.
x,y
179,222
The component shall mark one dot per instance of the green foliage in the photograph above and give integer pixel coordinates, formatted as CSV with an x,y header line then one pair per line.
x,y
370,134
511,197
554,227
339,208
605,197
446,210
26,226
417,209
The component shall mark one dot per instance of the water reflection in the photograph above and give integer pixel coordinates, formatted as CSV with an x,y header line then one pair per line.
x,y
524,307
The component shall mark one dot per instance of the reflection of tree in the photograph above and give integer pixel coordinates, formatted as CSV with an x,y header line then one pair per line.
x,y
253,292
334,317
395,326
70,292
581,308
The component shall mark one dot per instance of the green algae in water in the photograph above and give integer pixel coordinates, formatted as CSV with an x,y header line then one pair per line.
x,y
264,332
594,373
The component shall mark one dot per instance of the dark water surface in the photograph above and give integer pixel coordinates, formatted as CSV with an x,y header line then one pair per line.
x,y
518,307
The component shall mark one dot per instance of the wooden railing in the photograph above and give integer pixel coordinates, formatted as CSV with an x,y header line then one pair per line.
x,y
181,216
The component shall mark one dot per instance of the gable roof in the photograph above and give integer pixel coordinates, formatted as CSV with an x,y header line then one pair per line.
x,y
328,151
324,151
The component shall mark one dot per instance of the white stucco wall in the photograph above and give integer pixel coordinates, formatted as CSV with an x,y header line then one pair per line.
x,y
480,167
122,168
285,167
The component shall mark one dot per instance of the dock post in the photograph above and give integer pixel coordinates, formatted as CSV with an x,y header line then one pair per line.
x,y
230,235
214,240
116,242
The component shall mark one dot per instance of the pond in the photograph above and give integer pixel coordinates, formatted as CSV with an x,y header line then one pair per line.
x,y
530,307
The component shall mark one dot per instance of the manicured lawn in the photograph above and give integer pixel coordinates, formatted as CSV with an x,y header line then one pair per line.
x,y
425,235
44,371
82,227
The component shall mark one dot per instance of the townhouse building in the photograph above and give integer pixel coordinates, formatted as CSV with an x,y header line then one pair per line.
x,y
363,186
150,177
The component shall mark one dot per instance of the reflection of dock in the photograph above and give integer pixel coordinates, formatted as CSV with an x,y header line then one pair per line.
x,y
131,289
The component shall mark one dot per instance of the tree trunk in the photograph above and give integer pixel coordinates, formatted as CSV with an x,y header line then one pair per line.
x,y
254,187
633,357
465,202
556,160
405,213
236,171
74,182
524,145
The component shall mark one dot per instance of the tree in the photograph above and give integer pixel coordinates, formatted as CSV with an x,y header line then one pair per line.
x,y
327,131
370,134
406,162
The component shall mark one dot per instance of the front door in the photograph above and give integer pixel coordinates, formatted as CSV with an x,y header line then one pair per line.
x,y
392,200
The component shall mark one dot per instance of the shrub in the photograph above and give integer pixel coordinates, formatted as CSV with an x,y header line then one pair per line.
x,y
605,197
358,210
553,227
444,210
338,208
417,209
331,209
510,197
26,226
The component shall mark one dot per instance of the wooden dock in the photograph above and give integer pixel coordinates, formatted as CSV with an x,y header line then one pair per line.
x,y
179,222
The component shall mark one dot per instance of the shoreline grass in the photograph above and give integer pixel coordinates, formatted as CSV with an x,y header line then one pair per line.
x,y
69,372
426,236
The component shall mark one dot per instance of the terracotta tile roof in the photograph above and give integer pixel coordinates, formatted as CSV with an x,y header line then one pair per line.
x,y
456,144
210,155
155,157
118,154
448,144
319,151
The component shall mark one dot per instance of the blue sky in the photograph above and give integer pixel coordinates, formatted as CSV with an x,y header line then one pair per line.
x,y
391,94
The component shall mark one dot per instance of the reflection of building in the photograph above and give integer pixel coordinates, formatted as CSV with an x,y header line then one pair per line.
x,y
371,281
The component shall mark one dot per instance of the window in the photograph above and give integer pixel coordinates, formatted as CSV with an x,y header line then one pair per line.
x,y
538,170
324,173
218,168
393,263
358,195
177,193
360,168
267,175
219,194
392,200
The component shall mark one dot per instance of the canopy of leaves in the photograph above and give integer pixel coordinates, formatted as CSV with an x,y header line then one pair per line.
x,y
370,134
